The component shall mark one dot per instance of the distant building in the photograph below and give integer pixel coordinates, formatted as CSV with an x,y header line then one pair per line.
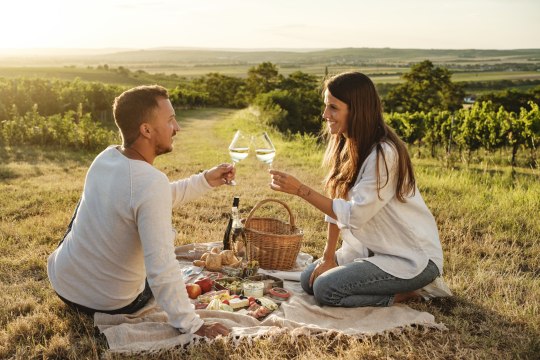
x,y
469,99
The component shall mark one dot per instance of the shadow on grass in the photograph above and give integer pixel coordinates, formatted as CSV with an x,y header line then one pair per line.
x,y
36,155
6,173
505,173
83,335
477,327
3,151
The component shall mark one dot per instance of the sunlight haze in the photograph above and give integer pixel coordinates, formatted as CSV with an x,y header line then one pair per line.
x,y
278,24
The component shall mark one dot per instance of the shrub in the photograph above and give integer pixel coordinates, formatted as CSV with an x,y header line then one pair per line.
x,y
73,130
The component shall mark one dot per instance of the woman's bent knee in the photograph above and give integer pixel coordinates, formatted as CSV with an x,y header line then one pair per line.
x,y
304,279
325,293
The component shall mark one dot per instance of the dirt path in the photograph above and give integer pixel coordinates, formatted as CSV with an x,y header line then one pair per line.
x,y
196,145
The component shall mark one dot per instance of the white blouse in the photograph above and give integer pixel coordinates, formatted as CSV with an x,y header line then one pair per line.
x,y
123,234
402,236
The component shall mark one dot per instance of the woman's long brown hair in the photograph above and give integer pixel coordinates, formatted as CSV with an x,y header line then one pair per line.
x,y
366,129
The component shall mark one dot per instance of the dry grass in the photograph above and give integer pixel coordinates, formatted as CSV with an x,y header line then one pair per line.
x,y
489,228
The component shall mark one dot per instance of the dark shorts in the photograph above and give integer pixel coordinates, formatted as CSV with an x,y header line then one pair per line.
x,y
141,300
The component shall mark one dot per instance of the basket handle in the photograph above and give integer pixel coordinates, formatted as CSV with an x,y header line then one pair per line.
x,y
262,202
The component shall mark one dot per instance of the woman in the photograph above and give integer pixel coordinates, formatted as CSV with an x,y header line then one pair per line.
x,y
391,246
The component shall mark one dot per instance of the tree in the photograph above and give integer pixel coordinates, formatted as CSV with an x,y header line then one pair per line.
x,y
468,135
262,78
522,130
188,98
300,81
223,90
489,125
295,106
426,88
512,100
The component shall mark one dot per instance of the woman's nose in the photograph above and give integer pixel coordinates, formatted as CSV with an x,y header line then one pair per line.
x,y
324,114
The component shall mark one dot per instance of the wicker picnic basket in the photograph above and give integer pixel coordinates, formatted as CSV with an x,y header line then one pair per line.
x,y
275,244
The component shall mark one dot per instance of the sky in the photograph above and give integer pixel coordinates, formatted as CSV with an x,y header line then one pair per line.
x,y
274,24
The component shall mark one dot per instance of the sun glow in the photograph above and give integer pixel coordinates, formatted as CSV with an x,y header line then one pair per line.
x,y
27,24
272,24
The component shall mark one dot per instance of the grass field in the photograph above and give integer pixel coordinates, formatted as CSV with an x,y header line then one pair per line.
x,y
160,74
488,222
383,65
93,74
85,74
167,66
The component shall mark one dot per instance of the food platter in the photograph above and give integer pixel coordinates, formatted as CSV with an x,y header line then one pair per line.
x,y
221,281
231,294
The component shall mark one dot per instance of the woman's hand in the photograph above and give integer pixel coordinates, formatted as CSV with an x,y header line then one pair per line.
x,y
284,182
212,330
322,267
221,174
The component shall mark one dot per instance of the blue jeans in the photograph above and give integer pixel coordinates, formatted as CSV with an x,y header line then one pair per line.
x,y
362,284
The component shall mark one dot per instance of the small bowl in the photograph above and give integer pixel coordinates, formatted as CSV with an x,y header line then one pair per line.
x,y
231,271
251,271
269,281
226,284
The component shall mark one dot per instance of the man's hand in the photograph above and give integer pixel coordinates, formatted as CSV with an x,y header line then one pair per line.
x,y
322,267
212,330
221,174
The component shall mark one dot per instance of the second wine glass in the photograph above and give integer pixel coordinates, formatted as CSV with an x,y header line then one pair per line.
x,y
264,148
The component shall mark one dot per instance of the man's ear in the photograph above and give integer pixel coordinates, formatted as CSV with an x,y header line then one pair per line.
x,y
145,130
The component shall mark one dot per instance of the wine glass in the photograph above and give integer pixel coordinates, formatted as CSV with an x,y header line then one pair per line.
x,y
264,149
239,149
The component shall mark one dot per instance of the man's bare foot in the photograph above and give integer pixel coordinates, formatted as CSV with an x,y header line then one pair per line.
x,y
408,296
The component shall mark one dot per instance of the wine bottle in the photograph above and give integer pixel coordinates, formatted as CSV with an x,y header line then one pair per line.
x,y
227,235
238,240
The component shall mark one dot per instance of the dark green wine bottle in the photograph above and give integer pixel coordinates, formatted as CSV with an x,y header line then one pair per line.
x,y
227,235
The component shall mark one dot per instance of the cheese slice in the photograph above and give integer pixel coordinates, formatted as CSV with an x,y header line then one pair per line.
x,y
238,303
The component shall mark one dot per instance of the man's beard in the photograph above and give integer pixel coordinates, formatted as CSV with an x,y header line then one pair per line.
x,y
160,150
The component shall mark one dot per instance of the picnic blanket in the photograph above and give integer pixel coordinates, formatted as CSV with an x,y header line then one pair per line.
x,y
148,330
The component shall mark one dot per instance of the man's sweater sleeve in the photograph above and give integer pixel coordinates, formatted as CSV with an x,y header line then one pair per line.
x,y
153,211
185,190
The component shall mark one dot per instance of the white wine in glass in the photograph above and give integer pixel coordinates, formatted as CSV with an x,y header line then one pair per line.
x,y
238,154
264,149
239,149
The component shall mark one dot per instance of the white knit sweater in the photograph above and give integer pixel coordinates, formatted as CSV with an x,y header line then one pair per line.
x,y
123,234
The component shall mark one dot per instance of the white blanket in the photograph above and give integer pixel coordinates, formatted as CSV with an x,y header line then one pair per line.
x,y
148,330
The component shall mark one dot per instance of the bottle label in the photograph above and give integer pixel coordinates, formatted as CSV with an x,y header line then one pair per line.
x,y
238,242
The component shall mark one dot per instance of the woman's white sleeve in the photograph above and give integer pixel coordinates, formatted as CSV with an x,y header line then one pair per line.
x,y
364,200
329,219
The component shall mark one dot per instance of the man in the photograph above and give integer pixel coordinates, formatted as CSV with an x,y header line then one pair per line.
x,y
121,233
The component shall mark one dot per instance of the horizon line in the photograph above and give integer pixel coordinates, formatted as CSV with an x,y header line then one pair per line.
x,y
203,48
